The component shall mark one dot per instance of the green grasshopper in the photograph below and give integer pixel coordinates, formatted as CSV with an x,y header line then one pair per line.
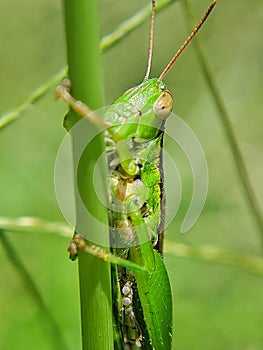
x,y
133,132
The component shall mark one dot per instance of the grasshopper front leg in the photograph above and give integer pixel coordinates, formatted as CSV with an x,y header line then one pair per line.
x,y
62,92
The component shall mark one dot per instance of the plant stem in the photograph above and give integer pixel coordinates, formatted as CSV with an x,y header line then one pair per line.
x,y
56,340
242,172
213,254
82,30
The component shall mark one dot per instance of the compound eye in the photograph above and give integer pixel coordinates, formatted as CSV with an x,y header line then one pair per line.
x,y
163,106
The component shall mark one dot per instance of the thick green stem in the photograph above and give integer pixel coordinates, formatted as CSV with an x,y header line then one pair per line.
x,y
82,30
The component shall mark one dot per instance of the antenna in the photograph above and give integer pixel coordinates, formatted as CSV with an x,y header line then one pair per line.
x,y
187,41
147,74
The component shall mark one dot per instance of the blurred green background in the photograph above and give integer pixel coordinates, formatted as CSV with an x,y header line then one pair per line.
x,y
216,306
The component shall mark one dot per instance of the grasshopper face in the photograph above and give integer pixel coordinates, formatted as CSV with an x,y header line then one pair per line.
x,y
140,112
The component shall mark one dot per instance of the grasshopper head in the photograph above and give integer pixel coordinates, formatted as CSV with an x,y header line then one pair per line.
x,y
141,111
150,94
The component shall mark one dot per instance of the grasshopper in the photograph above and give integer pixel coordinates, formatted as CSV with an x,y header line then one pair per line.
x,y
133,132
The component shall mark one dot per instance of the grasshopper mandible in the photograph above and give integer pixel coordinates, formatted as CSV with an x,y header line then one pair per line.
x,y
133,133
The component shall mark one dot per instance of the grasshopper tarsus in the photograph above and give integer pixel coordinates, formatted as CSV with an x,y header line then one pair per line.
x,y
73,251
76,243
66,82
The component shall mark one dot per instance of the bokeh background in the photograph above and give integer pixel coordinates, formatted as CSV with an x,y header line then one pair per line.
x,y
216,306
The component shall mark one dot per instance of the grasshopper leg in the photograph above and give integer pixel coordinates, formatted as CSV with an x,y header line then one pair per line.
x,y
78,243
63,92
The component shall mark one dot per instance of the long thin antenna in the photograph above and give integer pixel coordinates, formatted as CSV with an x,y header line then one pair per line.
x,y
147,74
187,41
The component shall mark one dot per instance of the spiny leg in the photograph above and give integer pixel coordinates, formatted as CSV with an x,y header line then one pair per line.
x,y
79,243
62,92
